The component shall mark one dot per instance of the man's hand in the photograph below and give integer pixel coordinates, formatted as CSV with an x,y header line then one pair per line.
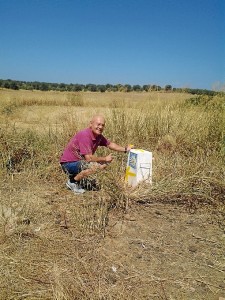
x,y
108,158
129,147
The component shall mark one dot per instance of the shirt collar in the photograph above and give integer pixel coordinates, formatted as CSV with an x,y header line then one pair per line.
x,y
92,134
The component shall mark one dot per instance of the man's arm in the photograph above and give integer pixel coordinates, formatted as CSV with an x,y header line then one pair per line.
x,y
99,159
115,147
108,158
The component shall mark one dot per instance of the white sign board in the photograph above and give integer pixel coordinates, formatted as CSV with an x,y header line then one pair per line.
x,y
139,167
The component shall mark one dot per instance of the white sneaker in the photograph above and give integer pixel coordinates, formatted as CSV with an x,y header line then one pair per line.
x,y
75,187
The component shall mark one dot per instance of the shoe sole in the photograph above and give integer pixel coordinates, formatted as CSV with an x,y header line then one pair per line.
x,y
69,187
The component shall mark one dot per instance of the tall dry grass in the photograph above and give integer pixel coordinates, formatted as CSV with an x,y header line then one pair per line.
x,y
185,135
48,236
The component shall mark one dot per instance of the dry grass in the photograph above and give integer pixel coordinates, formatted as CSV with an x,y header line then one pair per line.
x,y
50,239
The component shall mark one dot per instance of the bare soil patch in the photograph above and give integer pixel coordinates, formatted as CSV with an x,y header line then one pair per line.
x,y
165,251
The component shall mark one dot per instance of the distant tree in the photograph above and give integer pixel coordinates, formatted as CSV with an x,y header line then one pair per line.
x,y
69,87
101,88
146,87
158,88
202,92
28,86
91,87
54,86
6,85
153,87
119,87
13,86
109,87
127,88
114,88
62,87
137,88
44,86
35,85
168,87
77,87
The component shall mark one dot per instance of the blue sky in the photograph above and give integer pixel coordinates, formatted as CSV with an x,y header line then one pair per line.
x,y
177,42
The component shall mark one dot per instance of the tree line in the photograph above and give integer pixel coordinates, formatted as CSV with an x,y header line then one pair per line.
x,y
46,86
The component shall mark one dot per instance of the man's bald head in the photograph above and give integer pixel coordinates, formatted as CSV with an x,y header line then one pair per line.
x,y
99,118
97,124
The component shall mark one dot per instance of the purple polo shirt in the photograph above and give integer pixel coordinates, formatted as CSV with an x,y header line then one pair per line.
x,y
82,143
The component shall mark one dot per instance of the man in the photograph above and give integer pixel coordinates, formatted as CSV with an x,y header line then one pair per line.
x,y
79,160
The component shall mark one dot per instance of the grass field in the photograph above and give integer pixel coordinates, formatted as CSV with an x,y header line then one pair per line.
x,y
112,244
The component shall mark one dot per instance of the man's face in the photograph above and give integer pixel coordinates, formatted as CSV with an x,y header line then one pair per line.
x,y
97,125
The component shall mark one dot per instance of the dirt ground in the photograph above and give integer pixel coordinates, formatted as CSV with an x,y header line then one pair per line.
x,y
155,251
162,251
167,252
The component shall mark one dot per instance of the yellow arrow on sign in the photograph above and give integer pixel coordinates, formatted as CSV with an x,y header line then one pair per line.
x,y
129,173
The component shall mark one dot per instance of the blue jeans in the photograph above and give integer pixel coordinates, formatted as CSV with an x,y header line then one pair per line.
x,y
74,167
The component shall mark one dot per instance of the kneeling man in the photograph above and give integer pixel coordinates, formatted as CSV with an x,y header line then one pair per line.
x,y
78,159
